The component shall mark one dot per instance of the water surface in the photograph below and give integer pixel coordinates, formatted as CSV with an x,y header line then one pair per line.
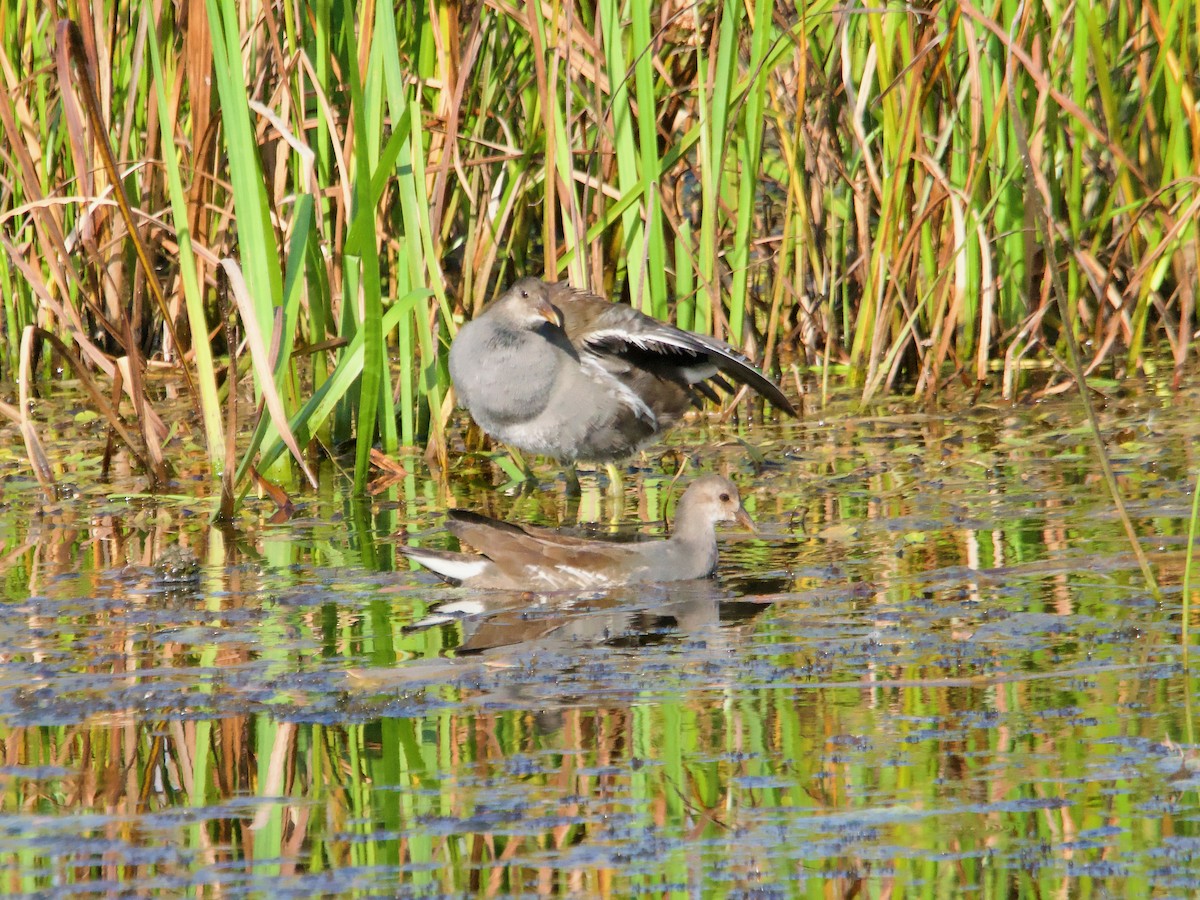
x,y
937,671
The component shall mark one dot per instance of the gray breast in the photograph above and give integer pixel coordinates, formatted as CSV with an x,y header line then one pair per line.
x,y
502,376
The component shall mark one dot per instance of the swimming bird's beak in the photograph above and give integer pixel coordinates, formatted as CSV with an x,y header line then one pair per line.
x,y
743,518
549,312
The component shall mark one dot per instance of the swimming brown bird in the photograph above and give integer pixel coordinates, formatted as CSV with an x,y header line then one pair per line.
x,y
566,374
526,558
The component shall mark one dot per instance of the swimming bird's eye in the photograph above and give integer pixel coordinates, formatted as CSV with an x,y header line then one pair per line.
x,y
525,295
724,498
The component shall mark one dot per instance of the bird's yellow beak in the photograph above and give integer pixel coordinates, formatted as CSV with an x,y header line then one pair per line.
x,y
743,518
549,312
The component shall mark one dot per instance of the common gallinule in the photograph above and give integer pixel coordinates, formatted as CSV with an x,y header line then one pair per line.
x,y
563,373
526,558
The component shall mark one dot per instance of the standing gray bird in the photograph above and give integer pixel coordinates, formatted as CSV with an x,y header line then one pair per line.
x,y
566,374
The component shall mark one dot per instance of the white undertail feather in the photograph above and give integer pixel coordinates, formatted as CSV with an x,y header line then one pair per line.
x,y
455,568
451,612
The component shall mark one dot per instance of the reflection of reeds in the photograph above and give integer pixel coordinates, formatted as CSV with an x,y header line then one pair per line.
x,y
825,188
846,724
764,786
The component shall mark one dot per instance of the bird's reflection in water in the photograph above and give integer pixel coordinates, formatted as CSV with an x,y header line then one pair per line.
x,y
629,617
537,651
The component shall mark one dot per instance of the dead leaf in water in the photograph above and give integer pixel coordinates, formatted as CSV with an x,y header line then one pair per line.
x,y
839,533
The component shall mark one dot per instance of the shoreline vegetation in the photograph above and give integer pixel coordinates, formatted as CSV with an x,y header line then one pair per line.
x,y
900,198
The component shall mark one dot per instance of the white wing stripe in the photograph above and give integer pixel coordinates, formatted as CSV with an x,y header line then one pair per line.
x,y
624,394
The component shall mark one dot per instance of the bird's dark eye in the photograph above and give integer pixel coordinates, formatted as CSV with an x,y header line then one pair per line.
x,y
724,498
525,295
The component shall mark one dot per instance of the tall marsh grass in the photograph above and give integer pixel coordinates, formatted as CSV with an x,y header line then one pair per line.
x,y
313,196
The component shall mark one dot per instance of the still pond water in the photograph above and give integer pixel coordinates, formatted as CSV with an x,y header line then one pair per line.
x,y
935,672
